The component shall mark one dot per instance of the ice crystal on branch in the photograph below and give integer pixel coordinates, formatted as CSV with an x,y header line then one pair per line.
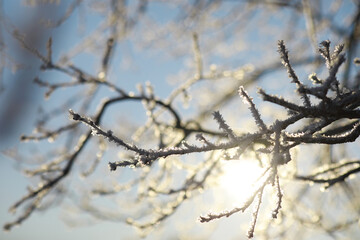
x,y
277,139
156,173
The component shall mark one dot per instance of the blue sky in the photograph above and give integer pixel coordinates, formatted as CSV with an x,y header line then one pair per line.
x,y
145,64
48,224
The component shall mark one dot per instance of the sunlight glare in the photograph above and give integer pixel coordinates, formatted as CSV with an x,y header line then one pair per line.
x,y
239,177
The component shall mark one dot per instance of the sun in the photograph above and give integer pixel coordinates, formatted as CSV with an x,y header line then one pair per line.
x,y
238,178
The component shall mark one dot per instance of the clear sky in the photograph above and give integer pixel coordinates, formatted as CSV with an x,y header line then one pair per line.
x,y
135,63
145,65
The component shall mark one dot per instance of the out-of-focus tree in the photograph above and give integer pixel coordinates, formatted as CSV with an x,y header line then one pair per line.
x,y
224,49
